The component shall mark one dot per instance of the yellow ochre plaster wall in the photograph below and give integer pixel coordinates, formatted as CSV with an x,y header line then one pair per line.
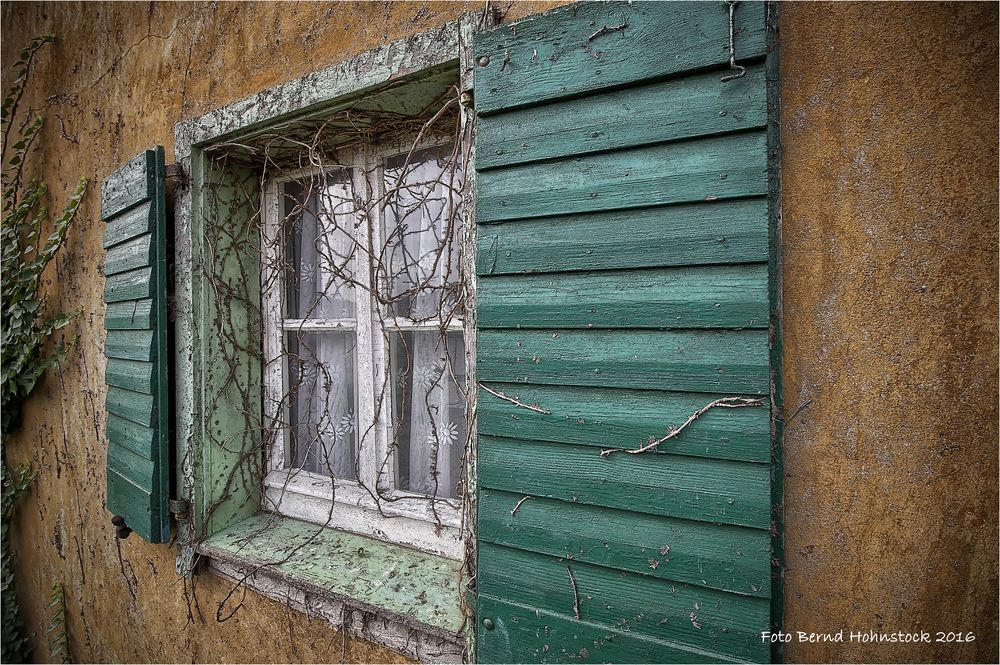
x,y
889,251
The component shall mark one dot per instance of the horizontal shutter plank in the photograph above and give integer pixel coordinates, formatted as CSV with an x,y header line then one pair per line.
x,y
129,464
699,234
129,315
135,222
132,285
723,167
593,46
720,557
700,297
131,184
135,253
717,491
130,344
732,361
132,406
135,503
664,111
528,635
137,438
612,418
135,375
726,623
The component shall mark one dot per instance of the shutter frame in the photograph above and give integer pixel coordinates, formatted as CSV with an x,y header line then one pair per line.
x,y
133,206
593,237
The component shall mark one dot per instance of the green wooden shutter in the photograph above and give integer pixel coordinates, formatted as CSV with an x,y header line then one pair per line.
x,y
133,202
622,258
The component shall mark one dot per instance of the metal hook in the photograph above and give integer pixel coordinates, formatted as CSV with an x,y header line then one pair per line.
x,y
732,45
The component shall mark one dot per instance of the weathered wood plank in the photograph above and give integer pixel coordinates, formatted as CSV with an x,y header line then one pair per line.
x,y
134,375
697,297
692,616
611,418
133,183
135,253
137,438
732,361
135,222
717,491
129,315
130,345
682,108
719,557
418,588
704,233
722,167
133,502
128,464
135,407
132,285
528,635
592,46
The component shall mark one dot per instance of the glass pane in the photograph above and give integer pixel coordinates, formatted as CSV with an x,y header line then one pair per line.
x,y
320,250
423,228
322,385
428,420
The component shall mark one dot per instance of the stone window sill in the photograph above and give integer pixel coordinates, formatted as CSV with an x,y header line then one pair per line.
x,y
385,593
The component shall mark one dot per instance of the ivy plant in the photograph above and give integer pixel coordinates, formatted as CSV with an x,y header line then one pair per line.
x,y
26,330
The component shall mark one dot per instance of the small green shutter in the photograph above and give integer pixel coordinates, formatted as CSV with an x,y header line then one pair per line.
x,y
623,285
133,203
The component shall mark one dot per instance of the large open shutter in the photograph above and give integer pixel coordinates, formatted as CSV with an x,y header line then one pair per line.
x,y
133,201
622,209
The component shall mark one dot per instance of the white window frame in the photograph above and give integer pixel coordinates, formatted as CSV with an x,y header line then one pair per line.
x,y
431,524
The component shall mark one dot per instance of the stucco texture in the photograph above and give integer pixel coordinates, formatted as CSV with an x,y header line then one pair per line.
x,y
889,251
889,254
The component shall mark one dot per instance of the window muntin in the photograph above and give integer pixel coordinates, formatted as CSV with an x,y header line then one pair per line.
x,y
372,319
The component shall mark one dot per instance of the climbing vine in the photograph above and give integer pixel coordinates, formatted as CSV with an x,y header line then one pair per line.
x,y
26,329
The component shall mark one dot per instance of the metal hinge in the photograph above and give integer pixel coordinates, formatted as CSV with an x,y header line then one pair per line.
x,y
179,509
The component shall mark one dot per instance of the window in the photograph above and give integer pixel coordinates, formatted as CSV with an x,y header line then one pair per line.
x,y
365,364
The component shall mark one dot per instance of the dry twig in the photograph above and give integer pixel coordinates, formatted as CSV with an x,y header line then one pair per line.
x,y
576,594
512,400
724,403
518,504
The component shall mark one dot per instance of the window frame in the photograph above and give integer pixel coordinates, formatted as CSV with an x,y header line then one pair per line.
x,y
431,524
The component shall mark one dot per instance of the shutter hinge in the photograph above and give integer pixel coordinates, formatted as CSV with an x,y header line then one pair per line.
x,y
179,509
467,100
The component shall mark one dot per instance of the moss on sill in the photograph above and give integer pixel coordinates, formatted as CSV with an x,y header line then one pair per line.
x,y
417,589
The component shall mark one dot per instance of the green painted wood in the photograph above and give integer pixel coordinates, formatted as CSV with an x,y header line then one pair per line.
x,y
135,407
133,203
134,375
723,167
529,635
128,464
587,47
698,297
646,607
613,418
731,361
416,587
129,315
654,113
704,233
130,224
135,502
710,555
129,185
137,438
136,253
131,345
131,285
717,491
